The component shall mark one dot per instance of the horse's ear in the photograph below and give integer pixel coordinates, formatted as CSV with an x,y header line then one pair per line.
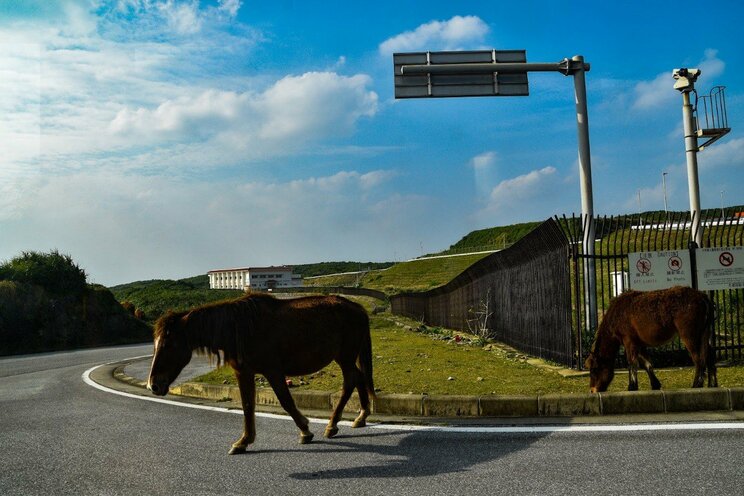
x,y
167,321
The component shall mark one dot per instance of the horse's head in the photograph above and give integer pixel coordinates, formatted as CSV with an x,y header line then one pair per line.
x,y
172,353
600,373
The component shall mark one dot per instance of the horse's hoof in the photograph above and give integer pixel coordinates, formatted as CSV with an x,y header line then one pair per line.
x,y
359,423
306,438
236,450
330,432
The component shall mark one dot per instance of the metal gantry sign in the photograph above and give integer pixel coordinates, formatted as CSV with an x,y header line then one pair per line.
x,y
504,73
413,84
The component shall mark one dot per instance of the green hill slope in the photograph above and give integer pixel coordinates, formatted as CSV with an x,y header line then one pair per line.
x,y
47,305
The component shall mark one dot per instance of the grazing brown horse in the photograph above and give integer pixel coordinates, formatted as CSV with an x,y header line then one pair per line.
x,y
638,320
259,334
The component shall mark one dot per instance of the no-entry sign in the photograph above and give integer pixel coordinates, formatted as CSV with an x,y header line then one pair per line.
x,y
720,268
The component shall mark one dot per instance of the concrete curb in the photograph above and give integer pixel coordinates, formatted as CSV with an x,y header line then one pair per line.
x,y
453,406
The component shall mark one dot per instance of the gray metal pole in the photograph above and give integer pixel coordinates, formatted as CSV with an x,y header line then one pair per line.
x,y
587,198
663,183
691,149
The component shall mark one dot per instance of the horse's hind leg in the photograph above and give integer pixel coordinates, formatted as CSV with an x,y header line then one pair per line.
x,y
349,371
712,370
361,420
646,364
699,353
279,385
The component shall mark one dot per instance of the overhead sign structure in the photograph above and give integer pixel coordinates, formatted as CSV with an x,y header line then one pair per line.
x,y
504,73
720,268
651,270
461,82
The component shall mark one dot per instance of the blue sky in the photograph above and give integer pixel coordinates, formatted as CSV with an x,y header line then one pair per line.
x,y
162,138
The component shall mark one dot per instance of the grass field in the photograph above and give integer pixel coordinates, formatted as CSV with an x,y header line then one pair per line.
x,y
410,359
415,275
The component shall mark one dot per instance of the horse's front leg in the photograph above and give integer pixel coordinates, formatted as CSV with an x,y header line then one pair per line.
x,y
646,364
279,385
247,385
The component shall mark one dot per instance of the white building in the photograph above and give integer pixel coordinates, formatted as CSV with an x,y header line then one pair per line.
x,y
256,278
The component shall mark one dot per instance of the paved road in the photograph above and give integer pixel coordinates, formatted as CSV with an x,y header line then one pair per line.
x,y
59,435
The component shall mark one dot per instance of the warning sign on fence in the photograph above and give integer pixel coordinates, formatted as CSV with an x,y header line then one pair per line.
x,y
720,268
650,270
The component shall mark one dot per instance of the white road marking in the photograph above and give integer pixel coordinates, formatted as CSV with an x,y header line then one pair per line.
x,y
515,429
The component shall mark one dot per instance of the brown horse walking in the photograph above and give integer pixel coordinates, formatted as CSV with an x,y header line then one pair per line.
x,y
259,334
638,320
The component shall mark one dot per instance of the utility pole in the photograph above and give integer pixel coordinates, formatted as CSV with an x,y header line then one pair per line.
x,y
686,84
663,184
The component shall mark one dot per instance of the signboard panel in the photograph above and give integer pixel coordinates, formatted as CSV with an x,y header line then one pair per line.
x,y
455,85
720,268
651,270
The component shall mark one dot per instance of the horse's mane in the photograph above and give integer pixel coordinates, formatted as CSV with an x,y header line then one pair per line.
x,y
219,329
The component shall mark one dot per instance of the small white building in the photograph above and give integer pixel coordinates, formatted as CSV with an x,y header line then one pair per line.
x,y
256,278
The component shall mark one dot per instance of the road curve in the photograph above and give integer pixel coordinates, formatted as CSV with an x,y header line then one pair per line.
x,y
59,435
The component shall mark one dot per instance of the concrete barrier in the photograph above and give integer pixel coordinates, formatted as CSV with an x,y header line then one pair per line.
x,y
737,398
418,405
695,400
399,404
508,406
633,402
451,406
569,405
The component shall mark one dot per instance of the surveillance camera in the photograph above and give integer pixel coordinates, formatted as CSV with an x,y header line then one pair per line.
x,y
685,79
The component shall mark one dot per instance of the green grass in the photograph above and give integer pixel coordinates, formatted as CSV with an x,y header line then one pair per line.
x,y
407,360
491,238
415,275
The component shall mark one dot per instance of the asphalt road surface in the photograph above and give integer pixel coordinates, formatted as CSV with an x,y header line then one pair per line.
x,y
59,435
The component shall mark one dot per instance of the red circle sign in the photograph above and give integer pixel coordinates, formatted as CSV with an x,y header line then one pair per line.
x,y
643,265
675,263
726,258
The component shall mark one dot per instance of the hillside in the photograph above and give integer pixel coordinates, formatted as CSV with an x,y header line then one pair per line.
x,y
157,296
414,275
47,305
492,238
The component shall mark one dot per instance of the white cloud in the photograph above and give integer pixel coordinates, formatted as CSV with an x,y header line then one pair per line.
x,y
483,172
485,160
183,18
100,91
315,104
124,227
535,195
230,7
522,187
724,153
455,33
660,91
294,111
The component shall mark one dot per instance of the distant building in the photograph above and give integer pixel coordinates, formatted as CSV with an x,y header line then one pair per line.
x,y
256,278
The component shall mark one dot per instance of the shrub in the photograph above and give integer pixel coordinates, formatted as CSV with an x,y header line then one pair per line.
x,y
53,271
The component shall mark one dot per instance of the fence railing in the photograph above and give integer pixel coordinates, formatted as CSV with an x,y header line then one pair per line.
x,y
618,236
525,289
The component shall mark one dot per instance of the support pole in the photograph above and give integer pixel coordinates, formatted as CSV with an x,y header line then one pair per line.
x,y
587,198
686,84
693,183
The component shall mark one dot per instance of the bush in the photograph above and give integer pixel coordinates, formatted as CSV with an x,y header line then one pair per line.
x,y
53,271
46,305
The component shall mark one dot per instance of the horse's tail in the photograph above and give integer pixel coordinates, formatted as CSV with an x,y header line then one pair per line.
x,y
365,358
